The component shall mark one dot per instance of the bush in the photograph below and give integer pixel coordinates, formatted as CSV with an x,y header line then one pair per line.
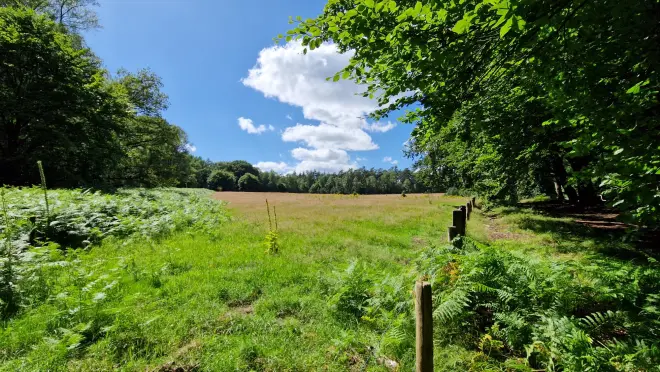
x,y
248,182
221,180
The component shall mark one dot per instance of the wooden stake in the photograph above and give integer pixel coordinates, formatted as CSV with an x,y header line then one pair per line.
x,y
474,202
458,220
424,327
451,233
468,210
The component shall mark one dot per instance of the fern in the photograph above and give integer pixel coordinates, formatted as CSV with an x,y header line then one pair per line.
x,y
597,320
452,306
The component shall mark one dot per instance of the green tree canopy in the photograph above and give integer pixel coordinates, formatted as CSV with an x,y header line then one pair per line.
x,y
221,180
513,96
52,93
248,182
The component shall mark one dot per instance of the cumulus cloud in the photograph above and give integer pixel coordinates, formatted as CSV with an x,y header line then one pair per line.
x,y
326,136
379,127
388,159
324,160
190,147
248,126
268,166
286,74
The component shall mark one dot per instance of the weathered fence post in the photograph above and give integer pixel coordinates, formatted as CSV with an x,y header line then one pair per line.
x,y
451,233
468,209
458,220
474,202
424,327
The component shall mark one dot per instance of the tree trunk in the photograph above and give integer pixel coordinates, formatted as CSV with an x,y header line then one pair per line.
x,y
559,192
571,194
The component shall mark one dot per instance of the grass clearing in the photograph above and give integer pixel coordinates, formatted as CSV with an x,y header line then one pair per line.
x,y
336,297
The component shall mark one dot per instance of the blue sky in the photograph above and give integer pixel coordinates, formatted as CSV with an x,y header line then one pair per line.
x,y
237,95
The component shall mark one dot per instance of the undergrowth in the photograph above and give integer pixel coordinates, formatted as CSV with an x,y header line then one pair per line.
x,y
38,227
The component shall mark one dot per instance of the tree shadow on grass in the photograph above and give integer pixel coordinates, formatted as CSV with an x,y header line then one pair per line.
x,y
579,229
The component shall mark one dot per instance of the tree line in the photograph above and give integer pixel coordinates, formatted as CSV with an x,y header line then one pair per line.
x,y
242,176
513,97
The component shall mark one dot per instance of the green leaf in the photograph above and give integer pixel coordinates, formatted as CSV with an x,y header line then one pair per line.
x,y
618,151
462,26
305,51
392,6
346,75
288,38
336,77
507,26
369,3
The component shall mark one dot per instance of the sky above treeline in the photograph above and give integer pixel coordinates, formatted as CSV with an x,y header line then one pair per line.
x,y
240,96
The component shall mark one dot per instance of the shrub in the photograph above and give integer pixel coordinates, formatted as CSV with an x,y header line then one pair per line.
x,y
248,182
221,180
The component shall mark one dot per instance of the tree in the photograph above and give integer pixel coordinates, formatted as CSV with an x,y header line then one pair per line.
x,y
513,95
75,15
239,168
55,105
248,182
221,180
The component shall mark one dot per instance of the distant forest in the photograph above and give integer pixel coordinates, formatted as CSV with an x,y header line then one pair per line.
x,y
242,176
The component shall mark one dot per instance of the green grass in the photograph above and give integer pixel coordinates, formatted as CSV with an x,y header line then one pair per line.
x,y
336,297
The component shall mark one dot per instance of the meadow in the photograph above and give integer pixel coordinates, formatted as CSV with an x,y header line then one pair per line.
x,y
205,295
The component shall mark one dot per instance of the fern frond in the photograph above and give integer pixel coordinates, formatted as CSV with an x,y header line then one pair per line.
x,y
452,305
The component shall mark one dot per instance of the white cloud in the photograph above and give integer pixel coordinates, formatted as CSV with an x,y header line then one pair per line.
x,y
388,159
190,147
324,160
280,167
360,159
326,136
286,74
379,127
248,126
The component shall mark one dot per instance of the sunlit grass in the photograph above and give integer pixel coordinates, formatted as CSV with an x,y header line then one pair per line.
x,y
218,301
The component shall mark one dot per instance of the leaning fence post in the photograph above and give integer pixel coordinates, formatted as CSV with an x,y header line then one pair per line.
x,y
424,327
458,220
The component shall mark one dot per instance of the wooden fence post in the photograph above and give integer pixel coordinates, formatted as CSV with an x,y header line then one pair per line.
x,y
424,327
474,202
458,220
468,210
451,233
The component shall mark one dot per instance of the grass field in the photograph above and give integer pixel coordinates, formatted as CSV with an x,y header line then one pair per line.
x,y
336,297
218,301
